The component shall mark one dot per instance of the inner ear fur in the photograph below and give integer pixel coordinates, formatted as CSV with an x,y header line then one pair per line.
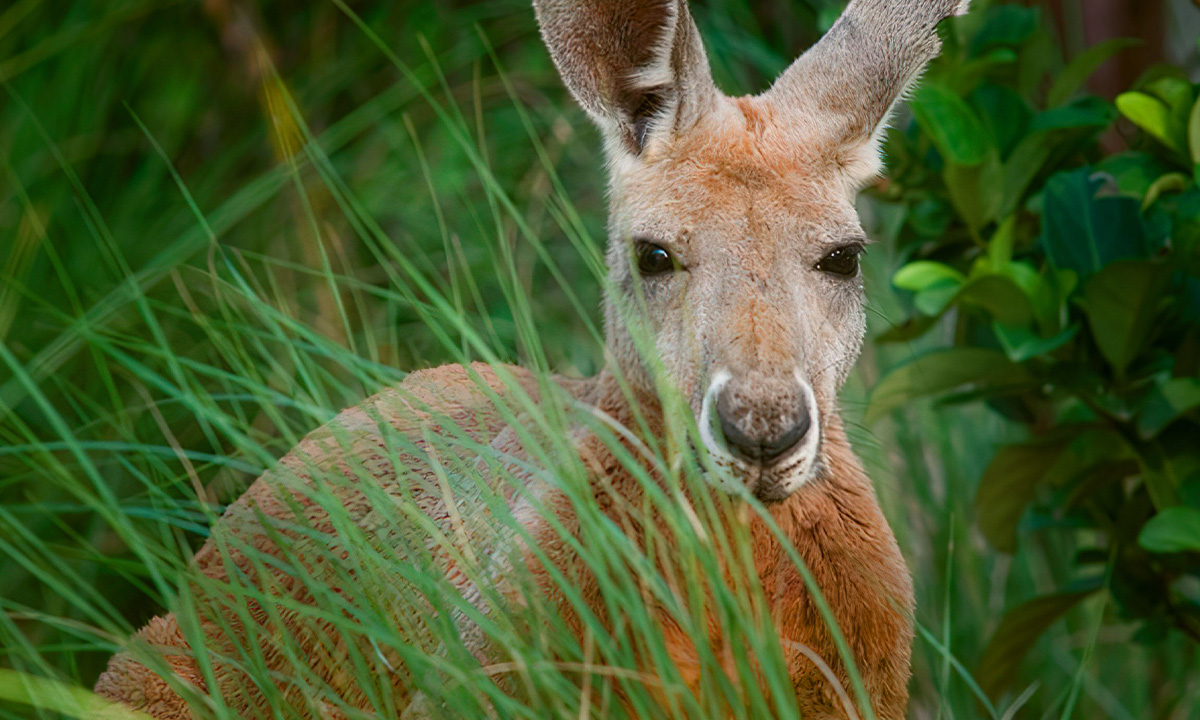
x,y
853,77
636,66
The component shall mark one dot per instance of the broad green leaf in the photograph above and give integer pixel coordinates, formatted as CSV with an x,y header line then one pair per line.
x,y
1169,183
1091,448
1173,530
1121,302
941,371
1087,112
909,330
1176,92
1026,161
1050,301
929,218
1154,117
1194,132
1008,486
935,299
1160,472
950,124
1076,73
1021,343
976,190
969,74
1004,113
919,275
1016,634
1083,232
1166,403
1025,276
1006,25
935,284
1000,245
1134,172
1000,297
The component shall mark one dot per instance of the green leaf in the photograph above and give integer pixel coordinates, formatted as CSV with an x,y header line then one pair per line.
x,y
970,73
1006,25
976,190
1176,92
1083,66
1023,165
1173,530
1087,112
1169,183
1161,473
1166,403
1194,133
1121,301
951,124
1084,233
1021,344
1018,630
941,371
1154,117
1000,297
1050,301
909,330
935,299
1134,172
1091,448
1008,486
1004,113
935,284
1000,245
919,275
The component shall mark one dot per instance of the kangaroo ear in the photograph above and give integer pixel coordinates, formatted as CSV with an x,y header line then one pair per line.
x,y
847,84
636,66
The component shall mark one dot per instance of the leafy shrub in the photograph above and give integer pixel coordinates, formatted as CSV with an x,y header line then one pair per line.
x,y
1071,281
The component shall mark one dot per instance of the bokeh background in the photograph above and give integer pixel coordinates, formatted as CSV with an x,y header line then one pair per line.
x,y
163,161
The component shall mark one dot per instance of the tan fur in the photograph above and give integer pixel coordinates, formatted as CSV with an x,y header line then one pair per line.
x,y
749,195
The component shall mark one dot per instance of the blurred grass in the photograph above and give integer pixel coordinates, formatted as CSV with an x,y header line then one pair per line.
x,y
213,217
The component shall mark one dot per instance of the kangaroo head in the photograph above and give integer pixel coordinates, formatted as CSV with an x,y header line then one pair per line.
x,y
733,236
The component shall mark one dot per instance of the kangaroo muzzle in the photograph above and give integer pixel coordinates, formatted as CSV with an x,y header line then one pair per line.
x,y
763,421
769,429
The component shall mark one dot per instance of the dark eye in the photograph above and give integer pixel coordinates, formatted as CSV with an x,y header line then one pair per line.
x,y
653,259
843,261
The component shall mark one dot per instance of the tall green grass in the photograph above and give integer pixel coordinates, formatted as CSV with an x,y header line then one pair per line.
x,y
214,239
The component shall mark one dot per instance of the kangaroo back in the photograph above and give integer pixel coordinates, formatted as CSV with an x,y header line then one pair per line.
x,y
400,447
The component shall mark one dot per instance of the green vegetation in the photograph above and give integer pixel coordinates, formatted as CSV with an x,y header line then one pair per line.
x,y
219,229
1071,282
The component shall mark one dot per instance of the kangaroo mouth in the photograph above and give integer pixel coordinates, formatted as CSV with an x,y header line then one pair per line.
x,y
777,481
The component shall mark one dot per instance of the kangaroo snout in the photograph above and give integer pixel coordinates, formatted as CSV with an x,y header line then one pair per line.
x,y
762,422
769,427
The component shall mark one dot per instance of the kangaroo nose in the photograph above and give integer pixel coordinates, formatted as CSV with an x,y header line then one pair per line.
x,y
762,431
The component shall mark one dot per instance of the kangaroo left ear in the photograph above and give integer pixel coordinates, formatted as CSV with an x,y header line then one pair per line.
x,y
856,74
636,66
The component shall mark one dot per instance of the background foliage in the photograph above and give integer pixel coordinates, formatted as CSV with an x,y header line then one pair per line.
x,y
188,287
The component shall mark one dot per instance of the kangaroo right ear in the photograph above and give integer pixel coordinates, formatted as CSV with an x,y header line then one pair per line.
x,y
636,66
857,73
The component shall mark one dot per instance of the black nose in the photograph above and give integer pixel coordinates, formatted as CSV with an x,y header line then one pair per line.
x,y
762,432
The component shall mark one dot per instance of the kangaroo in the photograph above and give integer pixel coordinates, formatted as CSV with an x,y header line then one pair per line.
x,y
734,241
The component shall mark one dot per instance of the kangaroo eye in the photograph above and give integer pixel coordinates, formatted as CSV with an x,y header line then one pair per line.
x,y
653,259
843,261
